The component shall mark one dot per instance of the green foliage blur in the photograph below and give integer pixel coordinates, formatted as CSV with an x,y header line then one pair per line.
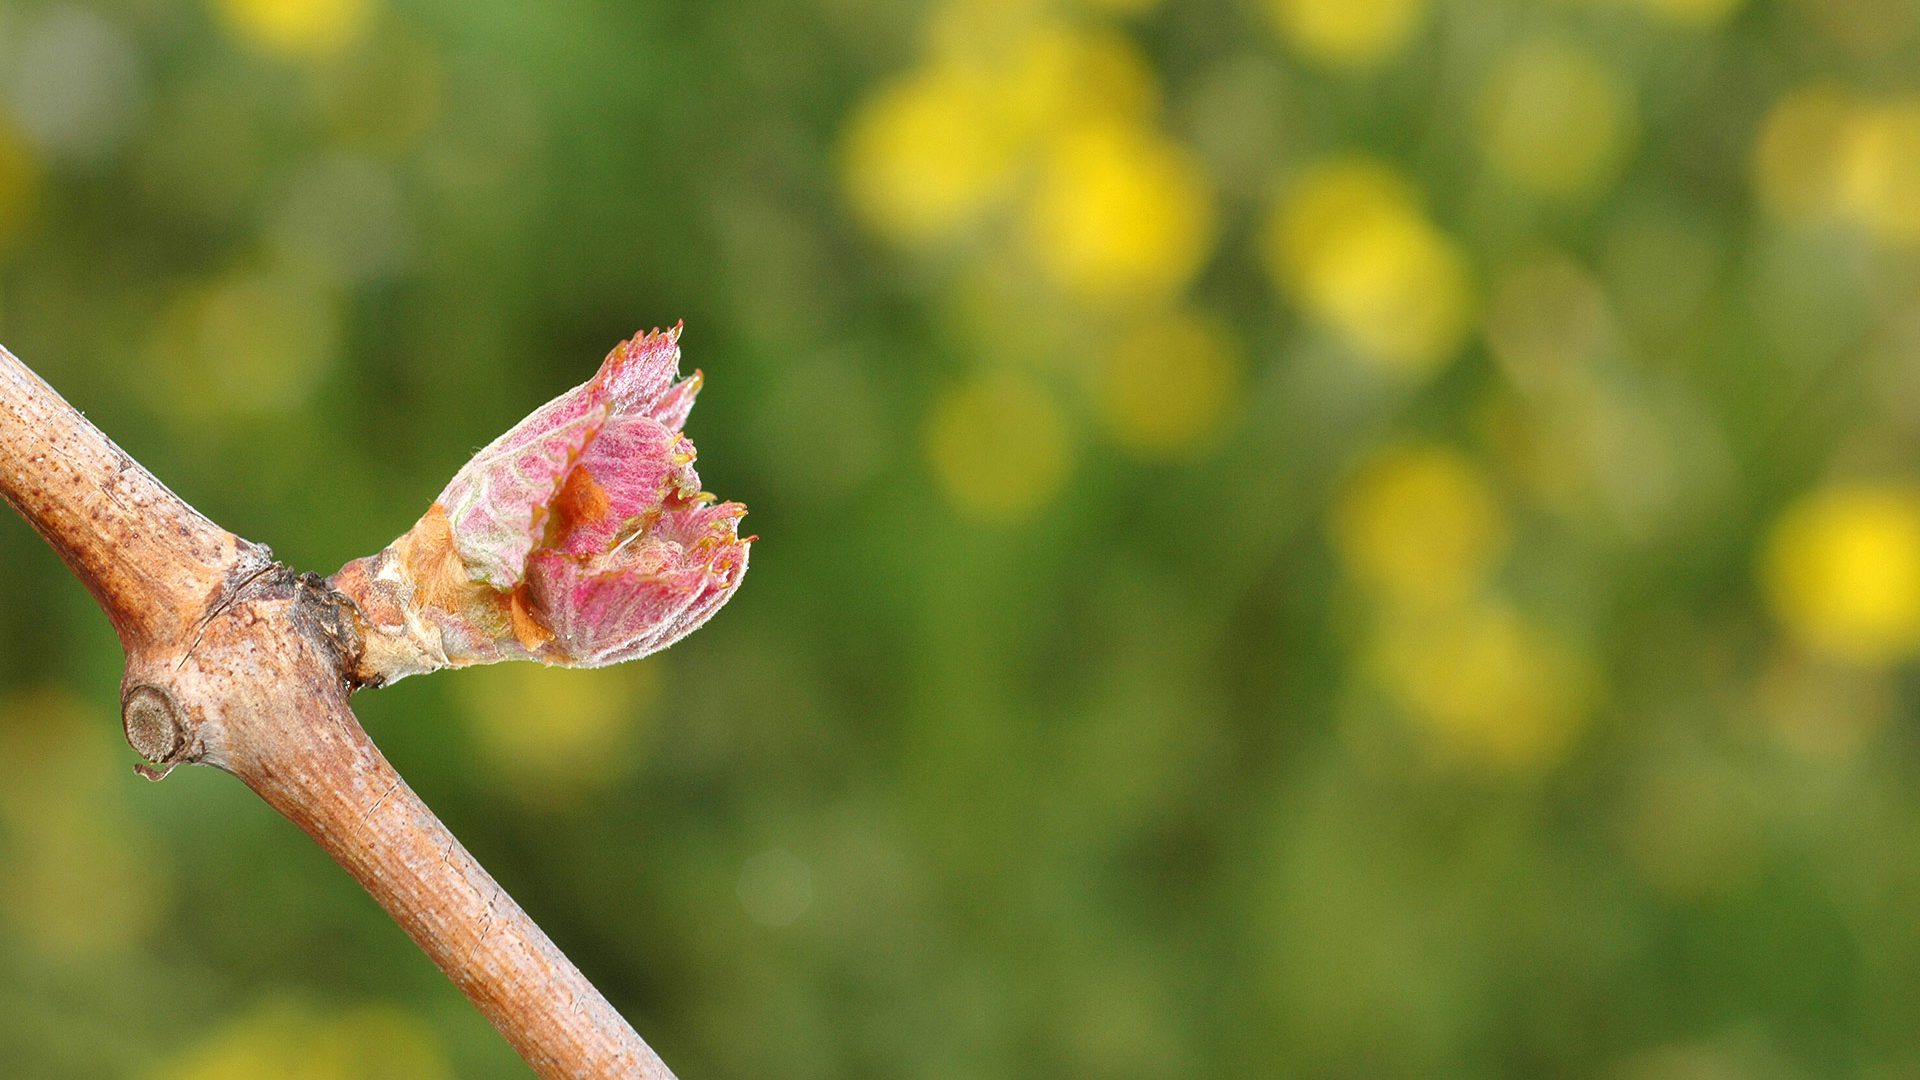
x,y
1302,538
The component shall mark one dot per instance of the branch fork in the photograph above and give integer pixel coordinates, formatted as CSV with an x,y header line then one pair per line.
x,y
579,538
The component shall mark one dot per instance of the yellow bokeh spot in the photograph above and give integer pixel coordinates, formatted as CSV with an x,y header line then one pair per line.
x,y
1058,77
1554,119
1328,204
1015,102
558,734
1881,186
1166,388
998,446
1842,572
1420,526
1801,157
1351,245
296,28
929,153
977,30
290,1042
1490,687
1347,32
1120,213
1824,155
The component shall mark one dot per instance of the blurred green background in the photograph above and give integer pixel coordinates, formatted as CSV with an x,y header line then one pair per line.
x,y
1302,538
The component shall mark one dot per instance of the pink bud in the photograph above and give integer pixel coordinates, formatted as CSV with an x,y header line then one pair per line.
x,y
581,537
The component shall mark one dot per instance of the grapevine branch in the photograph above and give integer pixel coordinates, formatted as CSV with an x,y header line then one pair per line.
x,y
233,660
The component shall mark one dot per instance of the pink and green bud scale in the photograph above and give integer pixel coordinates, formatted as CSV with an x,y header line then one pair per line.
x,y
580,538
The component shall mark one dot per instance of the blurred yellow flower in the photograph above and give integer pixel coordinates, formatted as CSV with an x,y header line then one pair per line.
x,y
1166,388
1347,32
1554,119
1419,526
977,30
1350,244
289,1042
1014,100
19,181
1882,182
1491,687
1120,213
1826,155
1801,157
296,28
1327,203
1842,572
556,735
1056,77
930,152
998,446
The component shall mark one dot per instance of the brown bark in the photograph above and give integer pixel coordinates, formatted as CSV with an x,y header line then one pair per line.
x,y
237,662
151,560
